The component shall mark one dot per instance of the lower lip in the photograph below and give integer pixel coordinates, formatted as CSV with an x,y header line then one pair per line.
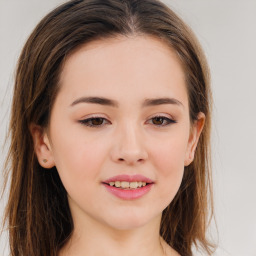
x,y
128,194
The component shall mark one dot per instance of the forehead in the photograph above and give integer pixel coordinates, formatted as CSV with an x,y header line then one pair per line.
x,y
134,65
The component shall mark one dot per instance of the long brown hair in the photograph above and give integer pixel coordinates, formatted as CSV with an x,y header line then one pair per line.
x,y
38,213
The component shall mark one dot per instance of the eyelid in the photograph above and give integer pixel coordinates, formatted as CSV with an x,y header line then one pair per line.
x,y
162,115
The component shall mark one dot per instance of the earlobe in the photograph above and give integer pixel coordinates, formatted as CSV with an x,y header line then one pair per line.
x,y
196,130
42,146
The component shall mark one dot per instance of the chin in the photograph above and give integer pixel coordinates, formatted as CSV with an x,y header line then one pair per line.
x,y
132,220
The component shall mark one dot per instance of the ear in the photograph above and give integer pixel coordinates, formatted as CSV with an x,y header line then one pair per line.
x,y
195,132
42,146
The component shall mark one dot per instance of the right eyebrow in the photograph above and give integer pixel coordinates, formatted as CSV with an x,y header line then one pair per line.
x,y
96,100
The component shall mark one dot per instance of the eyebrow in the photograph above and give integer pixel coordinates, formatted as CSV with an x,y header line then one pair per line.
x,y
96,100
113,103
161,101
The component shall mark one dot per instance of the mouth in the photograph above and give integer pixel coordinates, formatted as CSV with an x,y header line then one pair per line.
x,y
128,187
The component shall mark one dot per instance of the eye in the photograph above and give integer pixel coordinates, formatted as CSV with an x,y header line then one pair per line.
x,y
162,121
94,122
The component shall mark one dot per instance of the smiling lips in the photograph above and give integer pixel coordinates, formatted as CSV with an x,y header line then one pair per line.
x,y
128,187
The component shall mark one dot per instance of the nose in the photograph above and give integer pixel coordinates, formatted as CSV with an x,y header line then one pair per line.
x,y
129,146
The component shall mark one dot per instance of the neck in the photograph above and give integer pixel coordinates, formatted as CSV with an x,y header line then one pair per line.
x,y
93,238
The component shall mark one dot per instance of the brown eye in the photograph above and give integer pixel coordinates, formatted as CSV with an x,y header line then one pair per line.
x,y
94,122
97,121
157,120
161,121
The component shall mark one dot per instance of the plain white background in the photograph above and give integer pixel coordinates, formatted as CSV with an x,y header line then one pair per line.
x,y
227,32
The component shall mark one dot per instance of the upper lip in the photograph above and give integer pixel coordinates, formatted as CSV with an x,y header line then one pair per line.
x,y
129,178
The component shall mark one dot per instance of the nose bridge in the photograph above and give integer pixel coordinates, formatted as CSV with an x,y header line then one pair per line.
x,y
129,146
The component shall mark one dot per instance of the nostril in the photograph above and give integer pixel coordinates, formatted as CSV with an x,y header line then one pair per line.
x,y
139,160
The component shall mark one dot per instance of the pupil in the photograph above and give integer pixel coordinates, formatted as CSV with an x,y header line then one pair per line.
x,y
97,121
158,120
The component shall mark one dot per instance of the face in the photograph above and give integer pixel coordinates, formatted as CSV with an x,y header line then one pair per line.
x,y
121,118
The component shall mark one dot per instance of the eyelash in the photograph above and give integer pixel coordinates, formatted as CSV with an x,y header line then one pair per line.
x,y
88,121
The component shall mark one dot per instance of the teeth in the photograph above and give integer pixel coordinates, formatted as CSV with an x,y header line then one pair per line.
x,y
118,184
133,184
126,184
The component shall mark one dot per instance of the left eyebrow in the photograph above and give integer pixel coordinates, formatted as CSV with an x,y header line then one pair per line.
x,y
161,101
113,103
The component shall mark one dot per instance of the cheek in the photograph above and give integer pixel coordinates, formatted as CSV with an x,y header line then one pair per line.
x,y
77,159
169,156
169,163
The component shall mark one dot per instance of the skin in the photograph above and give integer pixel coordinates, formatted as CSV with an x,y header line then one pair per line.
x,y
129,139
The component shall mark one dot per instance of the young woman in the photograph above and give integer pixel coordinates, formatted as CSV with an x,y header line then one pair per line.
x,y
110,132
